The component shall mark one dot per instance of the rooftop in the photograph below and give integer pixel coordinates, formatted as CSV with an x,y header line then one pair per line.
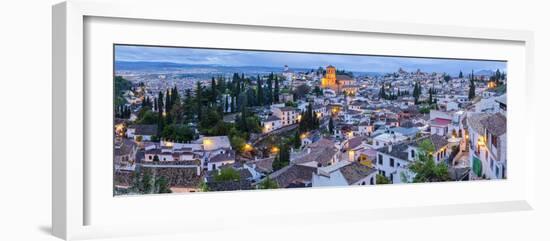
x,y
356,171
440,122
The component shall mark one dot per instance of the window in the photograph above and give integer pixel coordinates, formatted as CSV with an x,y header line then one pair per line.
x,y
380,159
392,162
492,164
372,181
412,153
150,157
494,141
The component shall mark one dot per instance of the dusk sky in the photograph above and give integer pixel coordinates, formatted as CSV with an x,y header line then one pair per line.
x,y
299,60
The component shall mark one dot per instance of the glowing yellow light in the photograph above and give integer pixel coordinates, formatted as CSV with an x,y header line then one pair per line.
x,y
274,150
351,155
481,141
207,143
318,115
248,147
119,128
299,117
168,144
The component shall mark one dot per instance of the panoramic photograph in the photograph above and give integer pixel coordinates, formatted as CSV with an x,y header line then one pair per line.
x,y
192,119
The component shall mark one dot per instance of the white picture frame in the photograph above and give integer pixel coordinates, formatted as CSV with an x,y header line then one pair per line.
x,y
71,191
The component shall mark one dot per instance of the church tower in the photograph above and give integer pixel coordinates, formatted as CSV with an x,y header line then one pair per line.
x,y
329,81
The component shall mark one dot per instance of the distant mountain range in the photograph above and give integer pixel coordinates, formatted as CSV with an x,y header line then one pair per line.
x,y
147,66
485,72
151,66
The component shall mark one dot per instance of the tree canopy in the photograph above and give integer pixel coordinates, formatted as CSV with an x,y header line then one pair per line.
x,y
425,167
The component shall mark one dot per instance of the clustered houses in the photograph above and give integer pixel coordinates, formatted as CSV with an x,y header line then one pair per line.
x,y
393,159
361,137
279,116
487,142
287,114
125,153
145,132
183,164
384,135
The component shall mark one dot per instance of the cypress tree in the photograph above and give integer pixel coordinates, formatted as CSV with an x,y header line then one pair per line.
x,y
214,90
198,99
232,104
297,140
175,94
160,105
226,103
472,91
167,100
276,91
270,89
331,126
260,91
382,93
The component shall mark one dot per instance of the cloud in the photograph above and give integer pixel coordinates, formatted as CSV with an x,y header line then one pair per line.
x,y
299,60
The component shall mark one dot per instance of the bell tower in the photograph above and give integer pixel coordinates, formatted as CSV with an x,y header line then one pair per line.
x,y
331,73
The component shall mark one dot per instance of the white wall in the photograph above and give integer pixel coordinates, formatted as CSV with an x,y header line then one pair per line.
x,y
26,46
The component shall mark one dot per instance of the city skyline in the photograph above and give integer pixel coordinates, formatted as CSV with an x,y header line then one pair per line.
x,y
244,58
222,127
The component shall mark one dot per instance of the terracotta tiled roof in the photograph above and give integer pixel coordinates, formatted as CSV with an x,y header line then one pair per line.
x,y
293,175
356,171
227,156
144,130
343,77
495,124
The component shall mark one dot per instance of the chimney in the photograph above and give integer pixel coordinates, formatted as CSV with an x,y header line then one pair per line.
x,y
389,147
308,150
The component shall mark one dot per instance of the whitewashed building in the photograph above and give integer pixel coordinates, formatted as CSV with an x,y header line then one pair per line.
x,y
344,173
487,142
288,115
393,160
271,123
